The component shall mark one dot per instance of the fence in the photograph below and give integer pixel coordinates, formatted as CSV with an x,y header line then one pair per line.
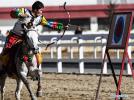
x,y
81,63
92,41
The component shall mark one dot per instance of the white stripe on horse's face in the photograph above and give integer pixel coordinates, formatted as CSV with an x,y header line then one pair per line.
x,y
33,36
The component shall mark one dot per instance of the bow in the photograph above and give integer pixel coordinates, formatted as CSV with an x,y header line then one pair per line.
x,y
64,6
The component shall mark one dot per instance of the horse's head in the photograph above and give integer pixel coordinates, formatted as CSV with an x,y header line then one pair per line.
x,y
26,51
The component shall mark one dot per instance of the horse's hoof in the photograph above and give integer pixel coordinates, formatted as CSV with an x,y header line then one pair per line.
x,y
35,78
39,94
34,98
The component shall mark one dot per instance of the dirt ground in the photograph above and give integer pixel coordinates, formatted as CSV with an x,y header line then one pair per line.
x,y
74,87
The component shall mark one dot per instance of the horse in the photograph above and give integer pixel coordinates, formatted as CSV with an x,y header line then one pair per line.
x,y
16,65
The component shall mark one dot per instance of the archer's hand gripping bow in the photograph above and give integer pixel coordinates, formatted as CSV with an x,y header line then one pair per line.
x,y
64,28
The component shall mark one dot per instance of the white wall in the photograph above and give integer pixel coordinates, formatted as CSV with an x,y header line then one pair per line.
x,y
4,29
130,1
17,3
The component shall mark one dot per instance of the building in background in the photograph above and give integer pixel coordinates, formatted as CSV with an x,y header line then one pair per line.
x,y
92,15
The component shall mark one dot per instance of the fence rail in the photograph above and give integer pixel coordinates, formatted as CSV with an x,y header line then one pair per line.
x,y
97,40
85,41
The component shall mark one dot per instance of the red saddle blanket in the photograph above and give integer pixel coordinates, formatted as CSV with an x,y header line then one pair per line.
x,y
12,40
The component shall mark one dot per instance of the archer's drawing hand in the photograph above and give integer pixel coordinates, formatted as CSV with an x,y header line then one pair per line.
x,y
66,27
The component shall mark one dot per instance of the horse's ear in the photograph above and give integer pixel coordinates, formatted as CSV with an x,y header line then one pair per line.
x,y
13,14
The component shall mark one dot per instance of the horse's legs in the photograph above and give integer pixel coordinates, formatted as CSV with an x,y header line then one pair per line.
x,y
22,72
25,81
2,85
37,74
39,89
35,71
18,88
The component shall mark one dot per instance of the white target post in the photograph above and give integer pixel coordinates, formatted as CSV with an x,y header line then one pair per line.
x,y
81,56
59,56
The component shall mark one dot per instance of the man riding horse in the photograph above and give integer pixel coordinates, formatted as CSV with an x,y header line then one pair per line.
x,y
27,22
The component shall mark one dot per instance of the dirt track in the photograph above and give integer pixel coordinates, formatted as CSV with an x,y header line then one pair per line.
x,y
74,87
